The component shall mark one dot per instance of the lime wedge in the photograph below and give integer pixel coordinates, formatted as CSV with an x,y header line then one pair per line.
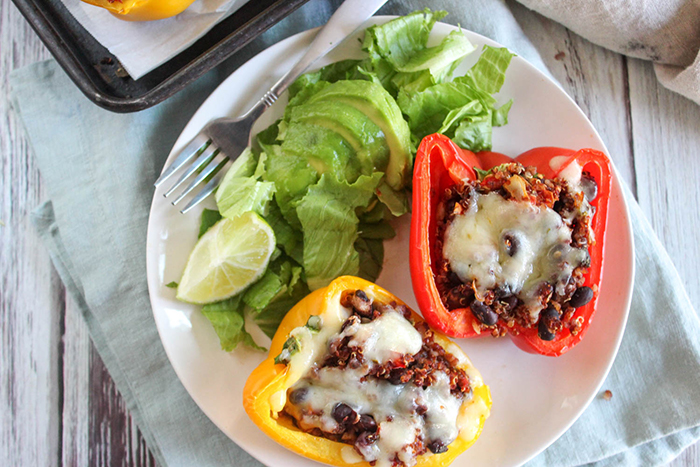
x,y
233,254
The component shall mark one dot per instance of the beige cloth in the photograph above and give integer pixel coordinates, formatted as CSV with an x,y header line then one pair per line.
x,y
666,32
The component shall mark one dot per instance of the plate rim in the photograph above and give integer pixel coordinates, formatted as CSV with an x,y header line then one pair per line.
x,y
381,19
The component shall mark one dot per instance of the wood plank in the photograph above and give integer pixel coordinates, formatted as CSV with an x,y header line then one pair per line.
x,y
46,353
76,393
594,77
114,438
30,296
666,148
688,458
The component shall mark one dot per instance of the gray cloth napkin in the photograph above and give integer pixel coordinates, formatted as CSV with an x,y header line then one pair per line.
x,y
666,32
99,168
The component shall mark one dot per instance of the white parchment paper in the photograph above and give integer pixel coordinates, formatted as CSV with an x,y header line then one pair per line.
x,y
143,46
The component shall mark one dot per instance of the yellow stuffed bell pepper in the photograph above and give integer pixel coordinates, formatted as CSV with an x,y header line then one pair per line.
x,y
266,391
142,10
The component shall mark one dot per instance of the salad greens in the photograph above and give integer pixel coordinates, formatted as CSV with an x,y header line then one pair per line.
x,y
331,173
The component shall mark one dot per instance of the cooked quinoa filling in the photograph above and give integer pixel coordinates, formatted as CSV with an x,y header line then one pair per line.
x,y
383,386
515,249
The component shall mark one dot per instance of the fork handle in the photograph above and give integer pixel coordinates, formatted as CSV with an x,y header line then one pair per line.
x,y
347,19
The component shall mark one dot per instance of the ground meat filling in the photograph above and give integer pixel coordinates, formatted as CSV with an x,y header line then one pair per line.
x,y
499,309
401,414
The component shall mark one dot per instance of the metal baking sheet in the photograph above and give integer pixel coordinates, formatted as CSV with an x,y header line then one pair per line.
x,y
100,77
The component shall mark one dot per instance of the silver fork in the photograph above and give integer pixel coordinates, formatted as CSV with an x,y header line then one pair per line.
x,y
222,140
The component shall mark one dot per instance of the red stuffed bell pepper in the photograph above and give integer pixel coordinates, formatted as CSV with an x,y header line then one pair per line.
x,y
515,249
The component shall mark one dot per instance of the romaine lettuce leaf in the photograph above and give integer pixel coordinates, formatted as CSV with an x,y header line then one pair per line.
x,y
489,72
453,48
462,109
378,230
209,218
260,294
474,133
329,223
244,194
292,175
269,318
288,238
428,110
375,212
240,191
371,253
410,83
243,166
500,115
268,138
227,318
396,201
400,60
455,116
275,294
399,40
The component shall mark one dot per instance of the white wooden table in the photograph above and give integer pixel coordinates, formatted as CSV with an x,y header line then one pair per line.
x,y
58,404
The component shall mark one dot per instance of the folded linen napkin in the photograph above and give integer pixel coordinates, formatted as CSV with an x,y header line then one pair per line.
x,y
99,167
144,46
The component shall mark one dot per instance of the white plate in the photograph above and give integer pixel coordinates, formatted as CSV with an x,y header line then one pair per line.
x,y
535,398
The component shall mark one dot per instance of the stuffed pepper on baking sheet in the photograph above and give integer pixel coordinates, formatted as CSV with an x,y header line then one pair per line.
x,y
355,377
515,249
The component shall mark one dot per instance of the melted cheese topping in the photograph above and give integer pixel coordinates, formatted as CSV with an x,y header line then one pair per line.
x,y
392,406
475,246
384,339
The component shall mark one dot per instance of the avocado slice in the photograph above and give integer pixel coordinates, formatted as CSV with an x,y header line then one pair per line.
x,y
360,132
377,104
324,149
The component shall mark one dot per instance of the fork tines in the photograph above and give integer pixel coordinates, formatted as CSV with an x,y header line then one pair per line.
x,y
207,165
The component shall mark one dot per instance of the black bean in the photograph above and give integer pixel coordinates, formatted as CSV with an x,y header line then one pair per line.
x,y
483,313
511,244
589,187
546,317
549,313
510,302
366,439
366,423
362,295
503,291
361,303
344,415
298,395
399,376
544,333
582,296
437,446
